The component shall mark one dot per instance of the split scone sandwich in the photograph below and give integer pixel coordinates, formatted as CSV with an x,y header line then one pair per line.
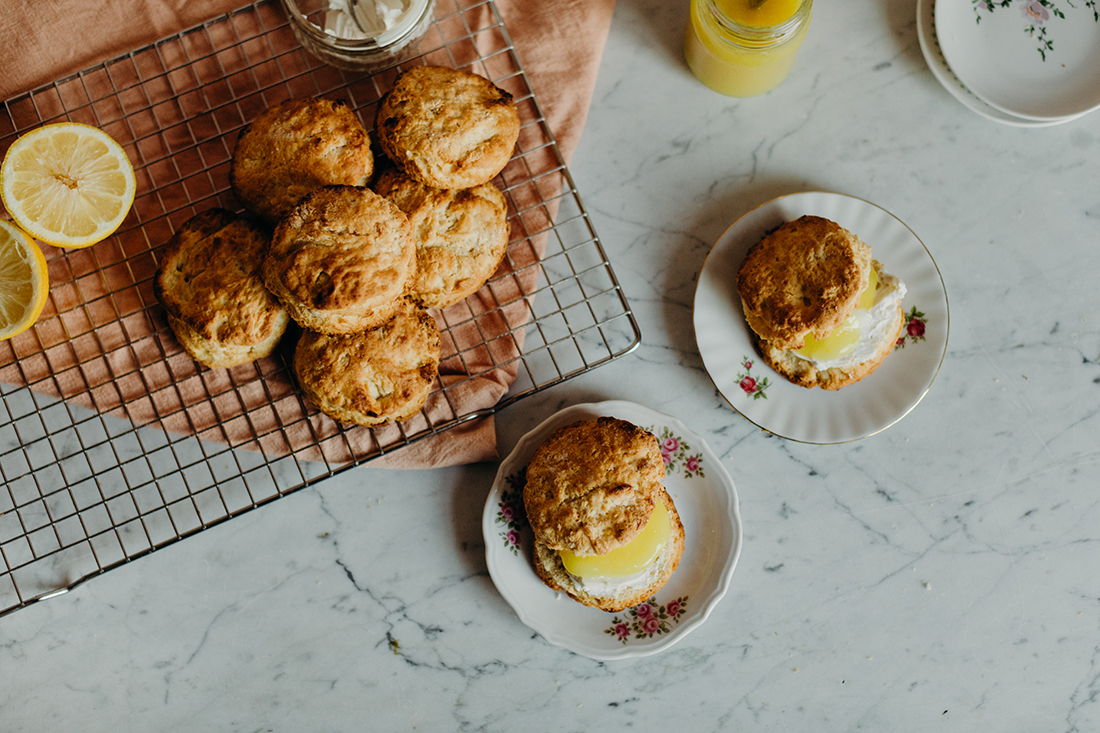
x,y
823,312
210,285
606,530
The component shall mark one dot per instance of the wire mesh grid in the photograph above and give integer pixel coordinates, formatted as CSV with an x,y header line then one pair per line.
x,y
114,443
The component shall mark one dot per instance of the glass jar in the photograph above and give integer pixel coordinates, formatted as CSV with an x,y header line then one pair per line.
x,y
732,56
329,33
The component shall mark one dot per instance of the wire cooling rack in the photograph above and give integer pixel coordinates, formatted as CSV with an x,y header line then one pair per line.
x,y
114,443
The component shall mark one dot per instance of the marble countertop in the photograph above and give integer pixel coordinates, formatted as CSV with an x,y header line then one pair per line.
x,y
940,575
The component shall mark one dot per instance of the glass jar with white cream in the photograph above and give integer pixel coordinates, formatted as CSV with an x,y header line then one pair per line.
x,y
359,35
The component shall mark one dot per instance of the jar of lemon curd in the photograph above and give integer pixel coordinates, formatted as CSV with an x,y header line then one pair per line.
x,y
742,48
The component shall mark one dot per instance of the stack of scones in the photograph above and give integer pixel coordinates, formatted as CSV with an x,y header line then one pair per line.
x,y
351,244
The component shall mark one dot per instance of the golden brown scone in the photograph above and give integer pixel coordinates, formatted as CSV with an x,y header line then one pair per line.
x,y
294,148
209,283
377,376
806,374
342,260
460,234
592,486
549,568
447,128
805,277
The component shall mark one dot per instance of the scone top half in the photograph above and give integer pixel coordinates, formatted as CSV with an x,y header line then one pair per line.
x,y
593,485
806,277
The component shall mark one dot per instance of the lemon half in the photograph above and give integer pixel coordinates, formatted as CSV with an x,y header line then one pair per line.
x,y
24,281
67,184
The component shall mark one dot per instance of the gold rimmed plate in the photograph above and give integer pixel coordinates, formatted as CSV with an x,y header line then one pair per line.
x,y
859,410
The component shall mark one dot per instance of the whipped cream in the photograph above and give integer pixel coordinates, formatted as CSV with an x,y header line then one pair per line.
x,y
873,325
376,17
612,586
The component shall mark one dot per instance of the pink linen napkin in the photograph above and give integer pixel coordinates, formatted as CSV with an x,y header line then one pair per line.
x,y
119,358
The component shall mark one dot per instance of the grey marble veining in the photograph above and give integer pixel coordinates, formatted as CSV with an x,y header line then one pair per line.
x,y
938,576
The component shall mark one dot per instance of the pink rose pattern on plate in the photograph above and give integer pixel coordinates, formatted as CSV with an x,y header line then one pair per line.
x,y
750,385
675,454
511,512
1035,13
647,620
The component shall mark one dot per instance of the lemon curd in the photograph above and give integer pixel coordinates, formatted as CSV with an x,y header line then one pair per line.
x,y
630,559
845,337
759,13
742,48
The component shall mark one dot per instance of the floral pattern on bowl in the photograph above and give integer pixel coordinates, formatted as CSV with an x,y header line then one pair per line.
x,y
945,75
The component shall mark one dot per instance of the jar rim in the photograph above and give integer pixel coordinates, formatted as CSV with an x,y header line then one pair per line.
x,y
772,35
406,28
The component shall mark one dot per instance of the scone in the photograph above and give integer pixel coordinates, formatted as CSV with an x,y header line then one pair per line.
x,y
447,128
342,260
294,148
822,311
210,285
378,376
606,531
460,235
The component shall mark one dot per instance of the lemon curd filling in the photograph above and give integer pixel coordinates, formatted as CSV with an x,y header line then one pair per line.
x,y
630,559
759,13
845,337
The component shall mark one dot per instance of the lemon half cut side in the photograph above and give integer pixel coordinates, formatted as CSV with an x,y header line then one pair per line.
x,y
24,281
67,184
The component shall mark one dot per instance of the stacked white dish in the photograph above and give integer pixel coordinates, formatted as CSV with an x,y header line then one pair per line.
x,y
1019,62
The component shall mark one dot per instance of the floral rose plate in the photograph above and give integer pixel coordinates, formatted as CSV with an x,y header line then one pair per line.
x,y
933,55
706,500
1036,59
814,415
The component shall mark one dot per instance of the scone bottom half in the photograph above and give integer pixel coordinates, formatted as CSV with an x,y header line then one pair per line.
x,y
821,312
591,492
